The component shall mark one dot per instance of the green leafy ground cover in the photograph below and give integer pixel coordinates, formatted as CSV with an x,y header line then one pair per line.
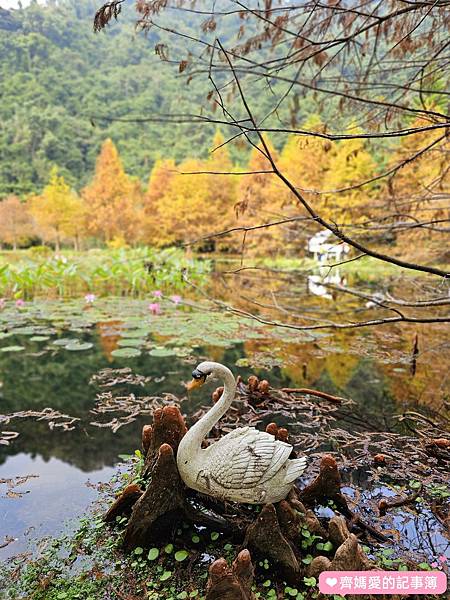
x,y
90,564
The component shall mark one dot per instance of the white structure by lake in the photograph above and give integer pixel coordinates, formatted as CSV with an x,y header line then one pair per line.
x,y
325,247
317,284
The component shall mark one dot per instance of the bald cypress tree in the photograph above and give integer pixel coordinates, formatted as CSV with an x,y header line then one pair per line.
x,y
112,199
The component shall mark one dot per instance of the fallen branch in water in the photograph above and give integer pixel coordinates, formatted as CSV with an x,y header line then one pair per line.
x,y
7,436
53,417
113,377
384,505
13,482
319,394
327,486
8,540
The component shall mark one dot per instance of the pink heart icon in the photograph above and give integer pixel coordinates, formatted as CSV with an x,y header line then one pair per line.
x,y
331,581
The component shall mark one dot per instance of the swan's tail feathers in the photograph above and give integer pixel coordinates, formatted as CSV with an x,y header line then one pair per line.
x,y
295,468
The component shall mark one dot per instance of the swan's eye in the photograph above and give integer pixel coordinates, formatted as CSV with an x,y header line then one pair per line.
x,y
199,375
198,379
185,462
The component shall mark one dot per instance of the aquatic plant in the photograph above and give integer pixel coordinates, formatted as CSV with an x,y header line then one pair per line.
x,y
90,298
154,308
127,272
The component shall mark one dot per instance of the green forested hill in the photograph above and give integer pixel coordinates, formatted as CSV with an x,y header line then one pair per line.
x,y
58,78
55,73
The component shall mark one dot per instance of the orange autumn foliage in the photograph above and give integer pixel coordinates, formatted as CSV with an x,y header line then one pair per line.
x,y
16,224
159,182
198,198
113,199
418,192
190,201
259,203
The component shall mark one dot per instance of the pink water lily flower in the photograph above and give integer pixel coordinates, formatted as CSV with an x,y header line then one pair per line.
x,y
154,308
175,299
2,303
20,303
90,298
158,293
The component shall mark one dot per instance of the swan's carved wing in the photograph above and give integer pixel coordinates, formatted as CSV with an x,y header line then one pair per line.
x,y
245,458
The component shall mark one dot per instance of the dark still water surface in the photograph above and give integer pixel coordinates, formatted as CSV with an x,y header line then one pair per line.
x,y
49,353
63,464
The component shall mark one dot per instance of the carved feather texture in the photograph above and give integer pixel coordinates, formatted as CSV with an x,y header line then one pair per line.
x,y
246,458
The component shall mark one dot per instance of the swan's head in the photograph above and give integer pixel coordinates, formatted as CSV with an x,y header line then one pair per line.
x,y
206,371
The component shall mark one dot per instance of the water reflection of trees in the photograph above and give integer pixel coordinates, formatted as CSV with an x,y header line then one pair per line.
x,y
282,295
372,368
60,379
86,447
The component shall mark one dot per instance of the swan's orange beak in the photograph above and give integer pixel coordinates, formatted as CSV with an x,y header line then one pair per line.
x,y
194,384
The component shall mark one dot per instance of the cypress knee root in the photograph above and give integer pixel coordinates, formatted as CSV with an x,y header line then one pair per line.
x,y
124,503
265,537
168,428
231,583
160,508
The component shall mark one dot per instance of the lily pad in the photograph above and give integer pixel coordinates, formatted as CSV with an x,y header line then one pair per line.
x,y
131,342
23,331
64,341
126,352
134,333
182,352
39,338
162,351
153,554
75,346
12,349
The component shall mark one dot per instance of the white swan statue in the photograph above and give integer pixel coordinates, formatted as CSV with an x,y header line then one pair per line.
x,y
245,465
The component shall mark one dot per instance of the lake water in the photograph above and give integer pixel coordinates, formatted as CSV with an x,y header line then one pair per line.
x,y
49,352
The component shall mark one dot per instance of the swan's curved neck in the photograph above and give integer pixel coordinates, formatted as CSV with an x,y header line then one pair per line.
x,y
192,441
